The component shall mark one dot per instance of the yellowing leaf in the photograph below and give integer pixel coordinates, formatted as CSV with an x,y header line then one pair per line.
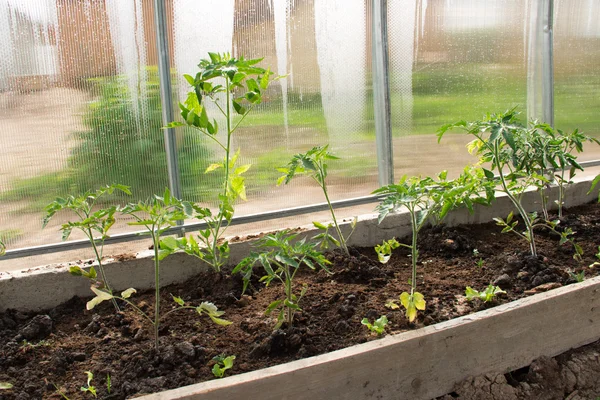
x,y
219,321
419,301
127,293
213,167
101,294
242,169
404,299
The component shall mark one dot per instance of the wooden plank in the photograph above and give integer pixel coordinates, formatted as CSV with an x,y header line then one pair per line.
x,y
425,363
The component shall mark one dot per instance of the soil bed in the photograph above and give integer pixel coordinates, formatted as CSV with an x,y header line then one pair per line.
x,y
40,353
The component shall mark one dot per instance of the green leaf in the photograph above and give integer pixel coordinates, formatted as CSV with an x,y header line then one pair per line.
x,y
239,108
319,225
5,385
189,79
488,174
272,306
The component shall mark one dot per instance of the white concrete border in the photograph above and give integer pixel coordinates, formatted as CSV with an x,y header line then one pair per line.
x,y
47,286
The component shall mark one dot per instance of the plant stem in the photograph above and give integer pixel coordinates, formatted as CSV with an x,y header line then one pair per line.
x,y
101,268
155,241
516,203
414,252
337,227
217,259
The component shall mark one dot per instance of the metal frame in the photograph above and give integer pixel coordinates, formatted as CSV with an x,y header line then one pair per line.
x,y
548,62
381,92
179,230
166,95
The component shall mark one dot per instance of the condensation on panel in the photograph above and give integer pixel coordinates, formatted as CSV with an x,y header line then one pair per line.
x,y
451,60
576,67
79,108
322,46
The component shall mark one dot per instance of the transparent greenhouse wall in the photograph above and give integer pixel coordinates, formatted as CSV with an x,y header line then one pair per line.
x,y
449,61
79,108
80,104
577,68
322,45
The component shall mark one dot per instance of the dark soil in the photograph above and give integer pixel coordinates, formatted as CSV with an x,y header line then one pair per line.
x,y
50,352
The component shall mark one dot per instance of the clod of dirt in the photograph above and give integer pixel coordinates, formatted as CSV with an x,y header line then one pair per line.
x,y
504,281
186,349
39,327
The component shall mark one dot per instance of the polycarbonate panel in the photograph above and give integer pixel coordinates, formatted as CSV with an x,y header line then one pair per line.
x,y
577,68
323,46
79,108
449,61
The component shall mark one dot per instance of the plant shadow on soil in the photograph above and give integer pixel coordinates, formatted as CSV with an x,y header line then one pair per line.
x,y
42,352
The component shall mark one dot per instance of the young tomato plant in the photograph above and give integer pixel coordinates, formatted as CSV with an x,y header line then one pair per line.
x,y
314,164
427,198
378,326
157,215
89,388
561,157
281,262
486,296
520,157
91,221
384,250
222,365
235,87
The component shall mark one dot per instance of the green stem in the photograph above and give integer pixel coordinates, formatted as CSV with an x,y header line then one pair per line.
x,y
516,203
288,286
155,241
337,227
178,309
216,258
101,268
414,252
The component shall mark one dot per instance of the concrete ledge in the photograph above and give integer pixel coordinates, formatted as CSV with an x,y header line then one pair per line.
x,y
425,363
45,287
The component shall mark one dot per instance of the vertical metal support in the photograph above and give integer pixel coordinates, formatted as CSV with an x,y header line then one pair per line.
x,y
381,92
166,96
548,63
540,61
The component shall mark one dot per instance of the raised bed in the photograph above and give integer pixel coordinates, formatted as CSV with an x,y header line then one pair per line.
x,y
44,287
418,364
425,363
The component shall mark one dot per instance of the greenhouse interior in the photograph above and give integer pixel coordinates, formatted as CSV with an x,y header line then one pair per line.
x,y
293,199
